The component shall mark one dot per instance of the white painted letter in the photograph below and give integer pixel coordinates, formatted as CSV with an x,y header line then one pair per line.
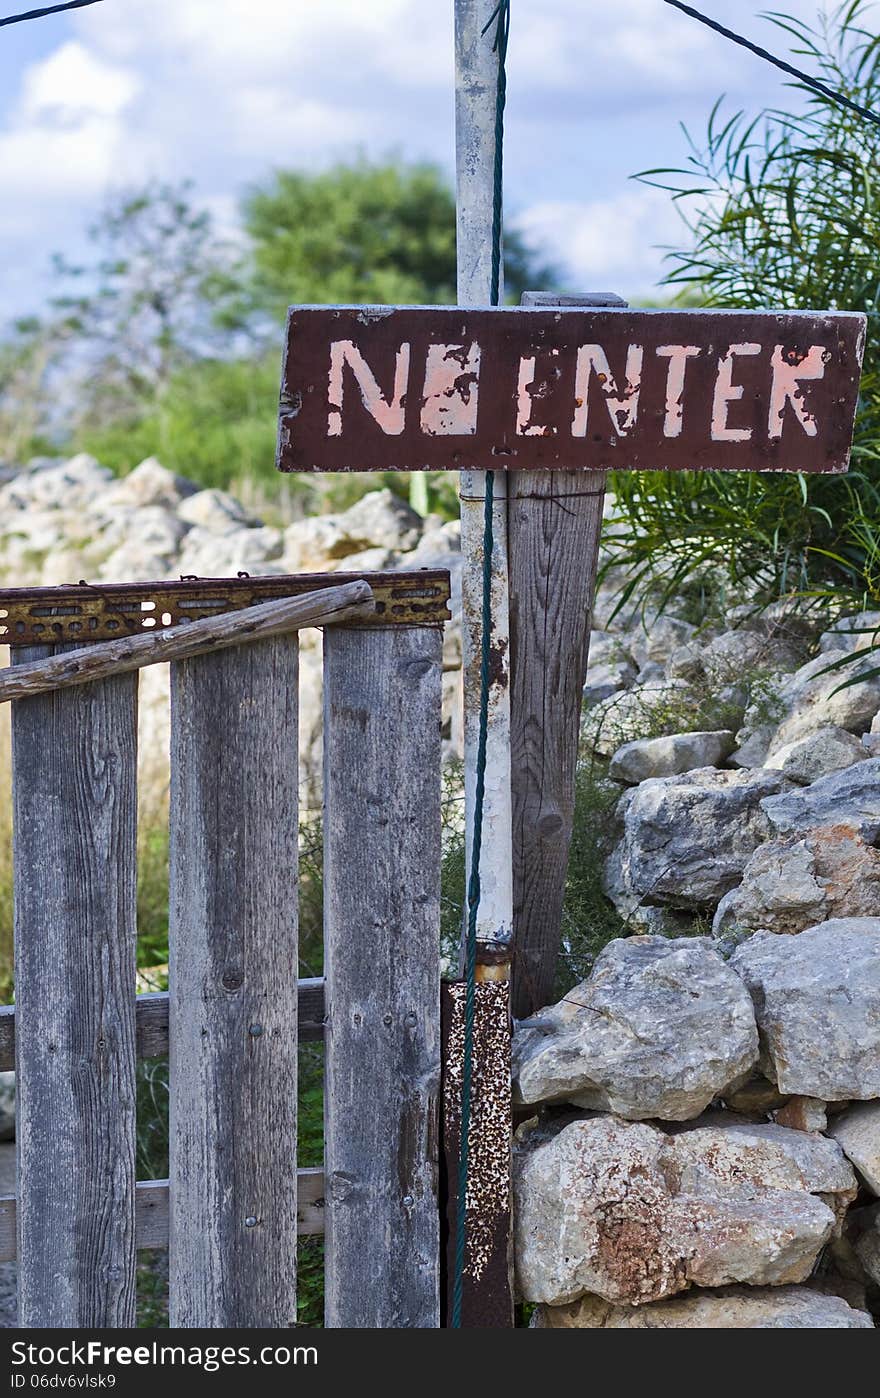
x,y
525,400
788,369
449,400
389,414
678,356
622,410
727,392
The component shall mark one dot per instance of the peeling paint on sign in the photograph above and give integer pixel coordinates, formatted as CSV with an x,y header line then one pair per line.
x,y
441,389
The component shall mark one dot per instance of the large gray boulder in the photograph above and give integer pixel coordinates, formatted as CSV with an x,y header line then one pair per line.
x,y
857,1132
151,528
669,756
610,668
807,701
149,485
817,1003
798,881
626,1212
867,1242
731,1308
818,755
861,631
727,658
73,484
687,839
379,519
208,554
660,1028
850,798
216,511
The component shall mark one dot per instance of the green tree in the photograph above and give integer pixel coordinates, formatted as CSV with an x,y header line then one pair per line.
x,y
29,355
367,233
140,310
784,211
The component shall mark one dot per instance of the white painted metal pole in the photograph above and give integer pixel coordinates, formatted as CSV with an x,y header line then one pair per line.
x,y
476,78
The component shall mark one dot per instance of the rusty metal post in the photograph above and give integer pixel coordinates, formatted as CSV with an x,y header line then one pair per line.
x,y
487,1292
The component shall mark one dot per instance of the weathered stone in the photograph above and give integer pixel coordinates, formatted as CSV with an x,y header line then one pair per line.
x,y
857,1132
731,1308
817,1002
216,511
7,1106
651,673
605,678
811,699
792,883
153,528
626,1212
754,744
803,1114
438,542
850,797
867,1242
818,755
374,560
687,839
654,642
858,632
378,520
726,657
757,1097
149,484
211,555
70,484
381,518
660,1028
132,563
670,756
634,713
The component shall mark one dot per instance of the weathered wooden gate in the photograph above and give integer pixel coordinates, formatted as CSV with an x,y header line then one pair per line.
x,y
235,1201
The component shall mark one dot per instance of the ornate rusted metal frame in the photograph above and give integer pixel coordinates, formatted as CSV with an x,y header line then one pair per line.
x,y
85,612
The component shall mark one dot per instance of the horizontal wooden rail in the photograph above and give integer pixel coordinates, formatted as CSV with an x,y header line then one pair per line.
x,y
213,633
83,614
151,1020
151,1213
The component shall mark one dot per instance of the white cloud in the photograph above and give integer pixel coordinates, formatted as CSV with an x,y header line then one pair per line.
x,y
615,244
223,91
74,83
67,135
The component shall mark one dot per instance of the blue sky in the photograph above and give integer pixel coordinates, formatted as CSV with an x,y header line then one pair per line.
x,y
222,90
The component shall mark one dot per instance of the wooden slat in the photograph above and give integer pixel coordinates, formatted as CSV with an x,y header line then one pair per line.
x,y
382,914
233,987
151,1022
74,801
151,1213
554,524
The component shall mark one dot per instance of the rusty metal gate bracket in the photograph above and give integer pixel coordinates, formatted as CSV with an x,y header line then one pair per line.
x,y
81,612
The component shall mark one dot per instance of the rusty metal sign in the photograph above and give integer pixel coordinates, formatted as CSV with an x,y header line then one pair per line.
x,y
81,613
409,389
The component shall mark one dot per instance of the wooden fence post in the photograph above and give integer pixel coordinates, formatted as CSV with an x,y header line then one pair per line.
x,y
74,803
233,984
382,924
554,525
